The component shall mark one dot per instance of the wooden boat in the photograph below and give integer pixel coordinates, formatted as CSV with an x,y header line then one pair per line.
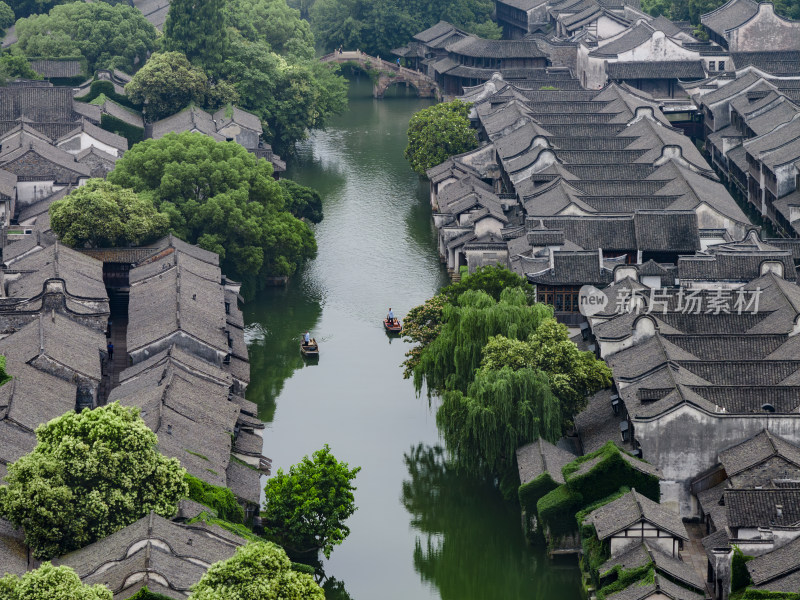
x,y
310,350
395,327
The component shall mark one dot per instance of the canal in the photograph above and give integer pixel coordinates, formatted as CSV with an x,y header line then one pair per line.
x,y
421,531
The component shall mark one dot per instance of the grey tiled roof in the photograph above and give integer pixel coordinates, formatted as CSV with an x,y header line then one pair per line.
x,y
98,133
83,276
660,69
631,508
633,37
51,68
573,268
644,552
729,15
542,457
776,564
662,587
780,62
756,450
156,550
758,507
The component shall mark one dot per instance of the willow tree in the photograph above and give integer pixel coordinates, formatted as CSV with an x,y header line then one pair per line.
x,y
449,362
501,411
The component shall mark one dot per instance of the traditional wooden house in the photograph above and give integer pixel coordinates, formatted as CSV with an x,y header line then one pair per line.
x,y
632,519
164,556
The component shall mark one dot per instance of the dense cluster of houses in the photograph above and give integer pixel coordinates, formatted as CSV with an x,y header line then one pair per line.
x,y
178,354
584,176
157,327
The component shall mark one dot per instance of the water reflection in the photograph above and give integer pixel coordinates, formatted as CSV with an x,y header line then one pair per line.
x,y
471,543
278,317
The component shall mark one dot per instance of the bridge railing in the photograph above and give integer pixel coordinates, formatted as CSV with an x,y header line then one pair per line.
x,y
371,60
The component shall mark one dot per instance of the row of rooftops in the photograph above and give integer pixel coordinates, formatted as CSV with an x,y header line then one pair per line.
x,y
188,374
633,185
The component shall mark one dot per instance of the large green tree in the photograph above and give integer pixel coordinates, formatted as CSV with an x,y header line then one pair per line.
x,y
437,133
167,83
289,95
25,8
101,214
221,197
50,583
378,26
197,29
305,509
106,35
257,570
274,23
90,474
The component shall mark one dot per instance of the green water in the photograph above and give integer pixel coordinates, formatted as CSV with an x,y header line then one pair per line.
x,y
421,531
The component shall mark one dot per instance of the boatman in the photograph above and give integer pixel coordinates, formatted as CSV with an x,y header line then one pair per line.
x,y
306,338
390,316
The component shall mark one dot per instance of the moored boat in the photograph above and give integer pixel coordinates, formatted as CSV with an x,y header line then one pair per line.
x,y
394,327
311,349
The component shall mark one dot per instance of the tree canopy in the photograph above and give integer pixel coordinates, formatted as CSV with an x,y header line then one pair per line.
x,y
272,22
167,83
377,26
51,583
438,132
90,474
108,36
24,8
505,368
305,509
101,214
303,202
290,96
257,570
197,29
219,196
7,18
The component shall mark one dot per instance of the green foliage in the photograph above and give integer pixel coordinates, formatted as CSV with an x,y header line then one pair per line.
x,y
257,570
4,377
89,475
305,509
167,83
7,18
145,594
595,552
274,23
421,326
101,87
626,577
609,474
16,67
237,528
691,10
740,576
501,411
106,36
50,583
197,29
377,26
557,510
303,202
221,197
24,8
450,361
291,96
574,375
102,215
132,133
492,280
220,499
530,493
438,132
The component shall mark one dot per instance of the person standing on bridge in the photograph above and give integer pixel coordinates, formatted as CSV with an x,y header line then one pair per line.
x,y
398,61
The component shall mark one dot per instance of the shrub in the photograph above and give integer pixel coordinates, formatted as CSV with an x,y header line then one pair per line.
x,y
530,493
219,499
740,576
557,509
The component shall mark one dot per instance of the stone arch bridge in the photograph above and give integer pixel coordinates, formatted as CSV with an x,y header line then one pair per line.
x,y
387,73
